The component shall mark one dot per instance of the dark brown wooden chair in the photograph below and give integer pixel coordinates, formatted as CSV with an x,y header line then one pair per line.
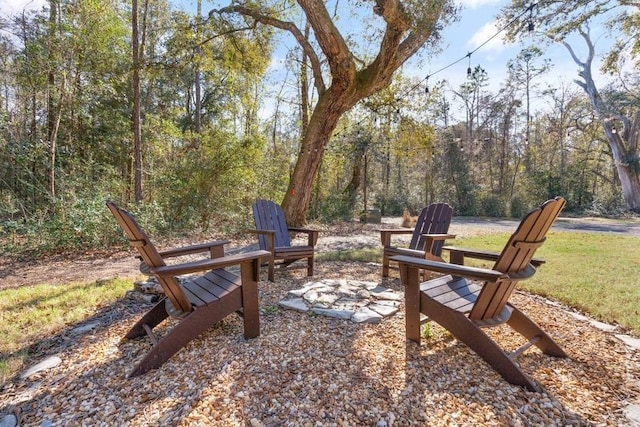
x,y
463,306
273,236
198,302
428,236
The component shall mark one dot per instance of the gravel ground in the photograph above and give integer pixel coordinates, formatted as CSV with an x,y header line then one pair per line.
x,y
306,370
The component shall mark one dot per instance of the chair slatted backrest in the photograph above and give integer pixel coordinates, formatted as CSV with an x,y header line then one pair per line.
x,y
269,216
515,259
434,219
139,240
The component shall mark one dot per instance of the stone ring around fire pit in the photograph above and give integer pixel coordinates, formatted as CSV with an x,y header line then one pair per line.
x,y
355,300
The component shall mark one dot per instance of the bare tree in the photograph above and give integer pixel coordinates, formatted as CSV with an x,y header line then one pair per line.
x,y
621,129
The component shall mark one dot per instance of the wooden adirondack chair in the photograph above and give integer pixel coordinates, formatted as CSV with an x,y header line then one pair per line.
x,y
273,236
427,239
198,302
464,307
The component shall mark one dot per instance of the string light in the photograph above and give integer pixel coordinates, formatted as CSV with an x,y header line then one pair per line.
x,y
530,27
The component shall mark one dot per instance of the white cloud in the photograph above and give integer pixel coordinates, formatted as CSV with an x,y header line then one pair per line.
x,y
474,4
488,38
13,7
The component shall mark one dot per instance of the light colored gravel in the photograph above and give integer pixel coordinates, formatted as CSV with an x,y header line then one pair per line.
x,y
312,370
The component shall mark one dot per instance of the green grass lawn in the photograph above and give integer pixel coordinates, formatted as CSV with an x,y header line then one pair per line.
x,y
31,314
595,273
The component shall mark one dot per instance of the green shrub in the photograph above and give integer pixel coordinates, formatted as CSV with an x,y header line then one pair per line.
x,y
334,208
492,206
608,204
518,207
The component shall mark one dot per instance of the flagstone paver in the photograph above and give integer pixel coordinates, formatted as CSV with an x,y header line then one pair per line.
x,y
355,300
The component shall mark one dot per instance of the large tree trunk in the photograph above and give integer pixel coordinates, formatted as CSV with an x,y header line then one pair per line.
x,y
350,82
626,159
331,106
53,119
198,72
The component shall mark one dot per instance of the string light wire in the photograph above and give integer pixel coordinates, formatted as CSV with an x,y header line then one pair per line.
x,y
529,10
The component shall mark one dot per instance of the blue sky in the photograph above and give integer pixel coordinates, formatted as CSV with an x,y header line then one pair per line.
x,y
477,26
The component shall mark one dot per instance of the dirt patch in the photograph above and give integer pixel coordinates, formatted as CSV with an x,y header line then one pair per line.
x,y
65,269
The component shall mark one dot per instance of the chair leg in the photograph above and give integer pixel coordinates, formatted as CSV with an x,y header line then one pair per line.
x,y
152,318
310,266
271,269
189,328
529,329
250,310
410,276
385,265
426,275
470,334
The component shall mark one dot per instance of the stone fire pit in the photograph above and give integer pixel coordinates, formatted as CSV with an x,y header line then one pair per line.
x,y
358,301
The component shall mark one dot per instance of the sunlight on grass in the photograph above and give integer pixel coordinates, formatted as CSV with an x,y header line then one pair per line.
x,y
33,313
592,272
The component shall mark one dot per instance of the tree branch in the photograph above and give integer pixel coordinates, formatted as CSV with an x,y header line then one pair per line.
x,y
573,55
394,51
340,58
287,26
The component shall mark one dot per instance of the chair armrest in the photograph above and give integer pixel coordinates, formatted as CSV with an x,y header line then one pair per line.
x,y
215,248
431,239
386,233
473,273
439,236
312,234
270,236
457,255
208,264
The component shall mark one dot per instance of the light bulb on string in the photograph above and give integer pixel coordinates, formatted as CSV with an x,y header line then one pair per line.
x,y
518,19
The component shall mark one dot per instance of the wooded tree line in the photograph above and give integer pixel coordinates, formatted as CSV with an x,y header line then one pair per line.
x,y
139,102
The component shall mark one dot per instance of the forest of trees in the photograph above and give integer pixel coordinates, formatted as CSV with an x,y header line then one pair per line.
x,y
163,110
